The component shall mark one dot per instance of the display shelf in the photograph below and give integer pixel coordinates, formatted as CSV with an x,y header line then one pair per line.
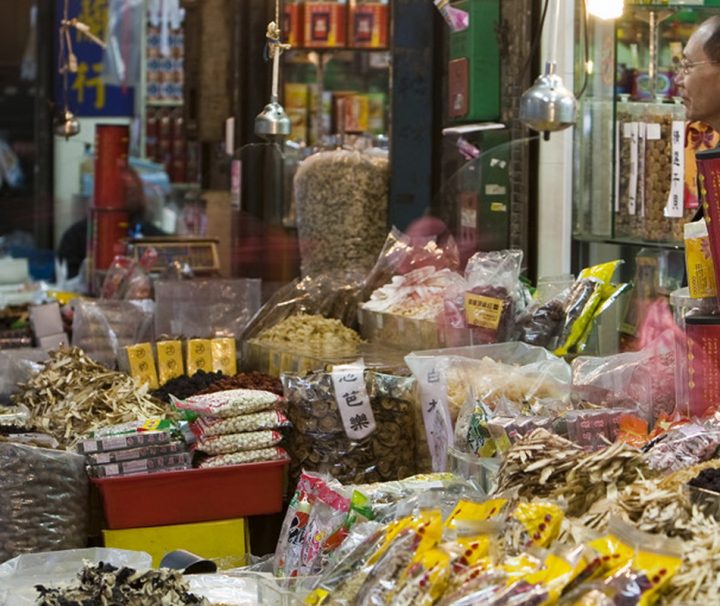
x,y
634,174
591,239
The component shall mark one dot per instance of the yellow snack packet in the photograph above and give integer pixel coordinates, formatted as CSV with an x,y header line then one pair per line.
x,y
199,356
170,360
142,364
699,261
472,511
537,522
224,355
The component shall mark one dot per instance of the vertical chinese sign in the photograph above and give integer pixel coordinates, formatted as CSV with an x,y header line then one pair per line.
x,y
88,95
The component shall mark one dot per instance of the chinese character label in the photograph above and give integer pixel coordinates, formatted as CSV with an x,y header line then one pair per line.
x,y
353,401
675,206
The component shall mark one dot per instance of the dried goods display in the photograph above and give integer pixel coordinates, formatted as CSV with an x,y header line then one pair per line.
x,y
44,500
341,199
184,387
73,395
245,380
106,585
319,438
312,334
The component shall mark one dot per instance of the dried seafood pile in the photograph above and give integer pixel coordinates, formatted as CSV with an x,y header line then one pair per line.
x,y
73,395
106,585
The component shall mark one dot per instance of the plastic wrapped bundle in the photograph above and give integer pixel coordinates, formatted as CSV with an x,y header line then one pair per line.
x,y
342,199
44,500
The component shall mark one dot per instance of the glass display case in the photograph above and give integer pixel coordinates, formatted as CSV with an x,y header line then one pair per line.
x,y
634,173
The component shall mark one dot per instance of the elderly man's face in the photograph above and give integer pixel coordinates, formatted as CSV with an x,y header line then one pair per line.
x,y
699,80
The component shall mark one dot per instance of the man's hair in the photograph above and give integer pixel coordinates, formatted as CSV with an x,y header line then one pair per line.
x,y
712,44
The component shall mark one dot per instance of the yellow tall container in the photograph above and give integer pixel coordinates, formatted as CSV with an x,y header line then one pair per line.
x,y
226,542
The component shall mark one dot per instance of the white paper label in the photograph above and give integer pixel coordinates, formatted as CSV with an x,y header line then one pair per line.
x,y
676,199
642,147
633,186
436,415
654,132
352,400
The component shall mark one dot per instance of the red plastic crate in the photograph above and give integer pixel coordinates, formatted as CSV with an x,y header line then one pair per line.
x,y
192,495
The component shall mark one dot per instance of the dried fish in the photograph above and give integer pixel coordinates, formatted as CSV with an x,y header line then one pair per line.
x,y
74,395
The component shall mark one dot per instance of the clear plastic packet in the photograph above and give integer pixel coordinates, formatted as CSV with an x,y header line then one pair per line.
x,y
493,299
644,380
422,534
360,433
427,244
541,323
418,294
323,295
327,517
230,403
349,560
205,307
292,531
633,567
682,447
102,328
121,59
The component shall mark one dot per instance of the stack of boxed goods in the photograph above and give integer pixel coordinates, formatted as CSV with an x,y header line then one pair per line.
x,y
127,450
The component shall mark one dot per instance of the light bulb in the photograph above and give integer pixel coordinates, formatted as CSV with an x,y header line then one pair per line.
x,y
606,9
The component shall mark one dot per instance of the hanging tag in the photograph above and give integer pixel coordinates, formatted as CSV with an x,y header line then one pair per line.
x,y
633,187
436,415
676,199
352,400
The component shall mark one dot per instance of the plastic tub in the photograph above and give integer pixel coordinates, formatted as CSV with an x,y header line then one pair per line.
x,y
193,495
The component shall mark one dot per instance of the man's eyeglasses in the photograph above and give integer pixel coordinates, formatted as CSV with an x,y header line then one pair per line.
x,y
684,66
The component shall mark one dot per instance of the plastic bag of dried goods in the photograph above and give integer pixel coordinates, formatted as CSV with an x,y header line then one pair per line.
x,y
493,299
238,442
341,199
208,427
226,404
427,244
44,500
352,423
274,453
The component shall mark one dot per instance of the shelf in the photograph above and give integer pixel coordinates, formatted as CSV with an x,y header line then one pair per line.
x,y
164,103
589,239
